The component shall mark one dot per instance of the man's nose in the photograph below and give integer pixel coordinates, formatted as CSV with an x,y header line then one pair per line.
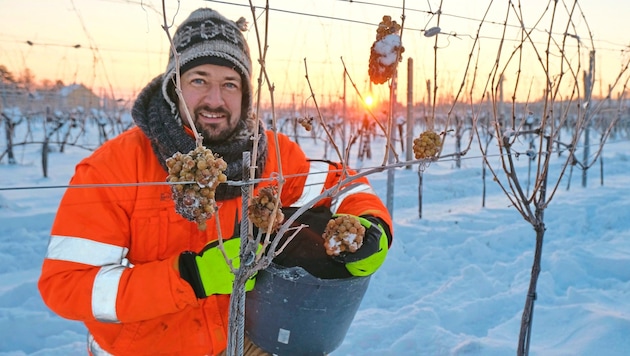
x,y
213,96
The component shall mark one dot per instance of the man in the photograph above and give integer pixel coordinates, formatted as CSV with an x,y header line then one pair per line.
x,y
143,279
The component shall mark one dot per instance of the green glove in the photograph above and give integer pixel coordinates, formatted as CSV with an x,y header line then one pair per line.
x,y
208,273
371,255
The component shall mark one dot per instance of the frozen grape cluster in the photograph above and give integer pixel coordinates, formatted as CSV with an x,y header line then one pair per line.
x,y
306,122
343,233
260,211
427,145
200,172
385,51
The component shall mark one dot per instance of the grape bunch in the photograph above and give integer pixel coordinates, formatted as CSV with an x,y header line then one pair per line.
x,y
261,208
343,233
385,51
203,171
386,27
306,122
427,145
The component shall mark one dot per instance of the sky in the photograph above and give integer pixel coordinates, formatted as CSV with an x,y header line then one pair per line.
x,y
454,281
123,46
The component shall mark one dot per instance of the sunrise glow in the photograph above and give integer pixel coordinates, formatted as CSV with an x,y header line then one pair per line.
x,y
369,101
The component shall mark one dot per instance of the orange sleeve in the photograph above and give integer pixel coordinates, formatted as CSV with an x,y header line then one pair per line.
x,y
363,202
293,164
296,167
93,223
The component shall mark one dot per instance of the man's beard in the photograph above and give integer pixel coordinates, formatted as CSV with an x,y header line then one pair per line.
x,y
213,134
216,133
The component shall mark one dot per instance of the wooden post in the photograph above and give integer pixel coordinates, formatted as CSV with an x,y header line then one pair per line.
x,y
410,119
8,129
429,121
501,114
390,157
420,191
343,117
588,89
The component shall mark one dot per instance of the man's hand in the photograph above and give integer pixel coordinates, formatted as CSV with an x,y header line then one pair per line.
x,y
208,273
371,255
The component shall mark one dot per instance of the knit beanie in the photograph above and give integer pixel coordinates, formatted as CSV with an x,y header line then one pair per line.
x,y
206,37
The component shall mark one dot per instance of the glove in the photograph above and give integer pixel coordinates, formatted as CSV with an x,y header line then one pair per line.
x,y
208,273
371,255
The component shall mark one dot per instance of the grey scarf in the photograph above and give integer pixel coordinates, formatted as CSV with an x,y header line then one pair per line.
x,y
153,116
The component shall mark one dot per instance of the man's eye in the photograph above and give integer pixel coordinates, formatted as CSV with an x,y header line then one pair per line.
x,y
197,81
231,85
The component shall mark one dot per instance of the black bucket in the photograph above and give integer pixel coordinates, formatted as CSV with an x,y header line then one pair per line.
x,y
291,312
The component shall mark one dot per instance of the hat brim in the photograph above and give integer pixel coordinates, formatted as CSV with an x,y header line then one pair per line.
x,y
209,60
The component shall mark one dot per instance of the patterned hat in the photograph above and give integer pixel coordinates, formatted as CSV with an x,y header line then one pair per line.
x,y
206,37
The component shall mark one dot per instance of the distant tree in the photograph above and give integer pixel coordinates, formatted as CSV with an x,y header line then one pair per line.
x,y
59,84
27,79
46,84
6,75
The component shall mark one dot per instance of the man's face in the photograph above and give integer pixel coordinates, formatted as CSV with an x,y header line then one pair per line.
x,y
213,95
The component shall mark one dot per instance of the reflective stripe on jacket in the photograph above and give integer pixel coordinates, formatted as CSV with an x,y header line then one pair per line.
x,y
112,247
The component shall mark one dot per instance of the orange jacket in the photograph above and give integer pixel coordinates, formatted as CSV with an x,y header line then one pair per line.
x,y
112,247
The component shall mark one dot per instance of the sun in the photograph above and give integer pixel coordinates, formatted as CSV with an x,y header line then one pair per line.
x,y
369,101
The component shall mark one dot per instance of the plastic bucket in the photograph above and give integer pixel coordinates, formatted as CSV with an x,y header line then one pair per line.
x,y
291,312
